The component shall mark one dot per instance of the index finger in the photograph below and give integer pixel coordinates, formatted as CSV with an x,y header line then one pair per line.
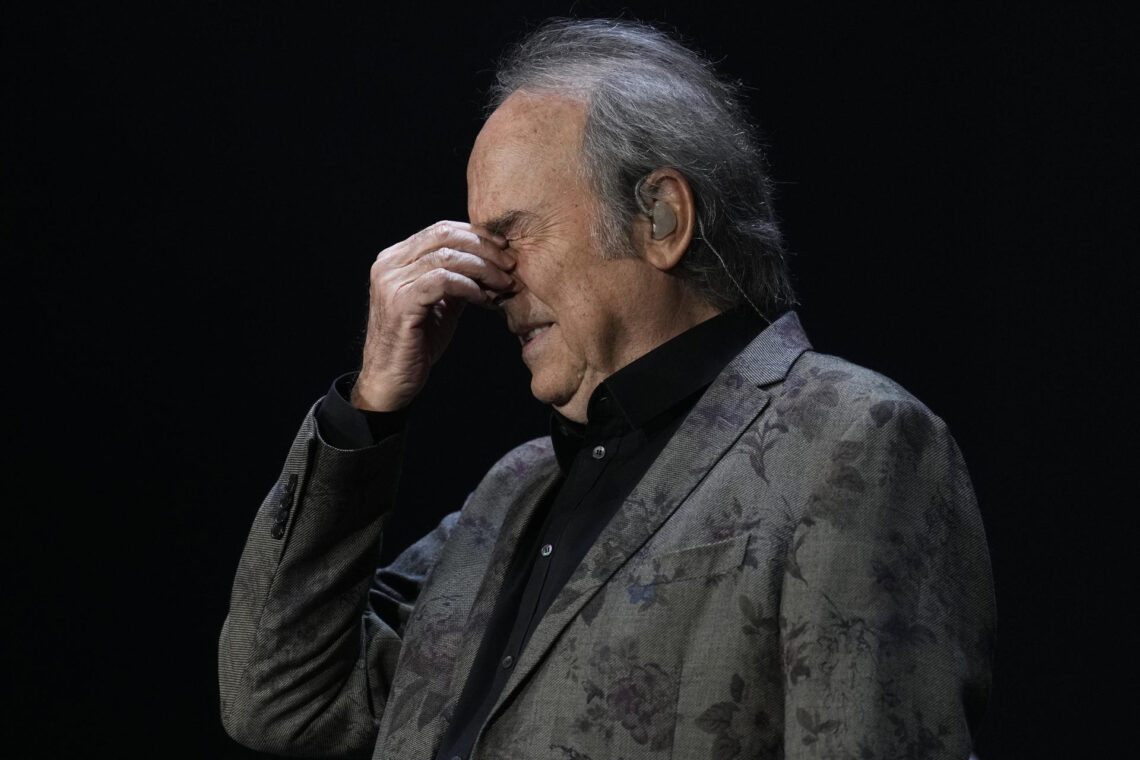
x,y
462,236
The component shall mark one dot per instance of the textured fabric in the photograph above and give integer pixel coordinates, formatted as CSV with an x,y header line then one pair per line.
x,y
632,416
802,573
342,425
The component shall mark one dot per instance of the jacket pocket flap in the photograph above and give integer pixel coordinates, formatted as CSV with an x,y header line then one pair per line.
x,y
692,562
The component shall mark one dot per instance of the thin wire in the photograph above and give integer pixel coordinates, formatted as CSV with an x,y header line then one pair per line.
x,y
645,209
705,238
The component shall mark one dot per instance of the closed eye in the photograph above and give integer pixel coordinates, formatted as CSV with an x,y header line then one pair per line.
x,y
510,224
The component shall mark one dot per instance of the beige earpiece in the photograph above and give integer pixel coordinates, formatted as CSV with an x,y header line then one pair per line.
x,y
661,217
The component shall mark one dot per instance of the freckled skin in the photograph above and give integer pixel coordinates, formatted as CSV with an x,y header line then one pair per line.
x,y
604,313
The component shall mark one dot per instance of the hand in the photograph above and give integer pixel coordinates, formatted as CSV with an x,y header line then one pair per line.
x,y
418,289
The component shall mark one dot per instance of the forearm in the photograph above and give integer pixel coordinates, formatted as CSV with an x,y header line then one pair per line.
x,y
295,647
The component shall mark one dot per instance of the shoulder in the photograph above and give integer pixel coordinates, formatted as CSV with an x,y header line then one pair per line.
x,y
825,374
827,396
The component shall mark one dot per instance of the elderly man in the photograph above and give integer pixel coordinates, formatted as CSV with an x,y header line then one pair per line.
x,y
729,546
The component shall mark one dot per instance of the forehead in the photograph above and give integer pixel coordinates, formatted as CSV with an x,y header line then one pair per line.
x,y
526,155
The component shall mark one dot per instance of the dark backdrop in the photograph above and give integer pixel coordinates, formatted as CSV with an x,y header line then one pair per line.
x,y
193,193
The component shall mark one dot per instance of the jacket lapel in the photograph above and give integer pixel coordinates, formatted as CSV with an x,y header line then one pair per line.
x,y
731,403
420,738
481,609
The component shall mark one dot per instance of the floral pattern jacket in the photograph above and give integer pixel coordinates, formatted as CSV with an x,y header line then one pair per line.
x,y
801,574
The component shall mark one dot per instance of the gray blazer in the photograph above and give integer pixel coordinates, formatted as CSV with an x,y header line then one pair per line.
x,y
801,574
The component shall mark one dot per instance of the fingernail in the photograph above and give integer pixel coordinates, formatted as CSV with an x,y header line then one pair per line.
x,y
499,239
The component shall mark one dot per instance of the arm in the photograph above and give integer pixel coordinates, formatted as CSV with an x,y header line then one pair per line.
x,y
305,662
304,658
887,604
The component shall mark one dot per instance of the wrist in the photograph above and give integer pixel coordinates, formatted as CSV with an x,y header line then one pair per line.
x,y
375,397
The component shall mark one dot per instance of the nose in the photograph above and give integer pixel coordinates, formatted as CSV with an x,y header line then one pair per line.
x,y
503,296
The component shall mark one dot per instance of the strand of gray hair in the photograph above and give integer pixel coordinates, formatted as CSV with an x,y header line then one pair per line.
x,y
653,103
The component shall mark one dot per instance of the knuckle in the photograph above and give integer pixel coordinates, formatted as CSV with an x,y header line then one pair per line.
x,y
446,275
449,256
390,251
387,259
379,275
452,256
452,281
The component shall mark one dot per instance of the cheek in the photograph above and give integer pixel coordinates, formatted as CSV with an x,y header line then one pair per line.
x,y
586,333
572,348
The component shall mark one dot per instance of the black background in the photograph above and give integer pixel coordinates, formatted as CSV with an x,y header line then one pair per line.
x,y
193,193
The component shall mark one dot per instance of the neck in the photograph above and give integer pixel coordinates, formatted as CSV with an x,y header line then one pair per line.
x,y
688,313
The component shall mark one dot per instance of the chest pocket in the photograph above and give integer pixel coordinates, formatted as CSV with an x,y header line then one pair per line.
x,y
702,561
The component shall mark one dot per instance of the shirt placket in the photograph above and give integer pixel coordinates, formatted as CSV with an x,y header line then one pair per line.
x,y
592,462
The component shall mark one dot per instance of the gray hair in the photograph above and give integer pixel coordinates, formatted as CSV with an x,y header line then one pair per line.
x,y
652,103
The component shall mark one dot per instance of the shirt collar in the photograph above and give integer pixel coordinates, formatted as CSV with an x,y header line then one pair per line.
x,y
657,382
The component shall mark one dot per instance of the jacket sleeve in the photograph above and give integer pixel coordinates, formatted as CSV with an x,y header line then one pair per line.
x,y
887,607
313,632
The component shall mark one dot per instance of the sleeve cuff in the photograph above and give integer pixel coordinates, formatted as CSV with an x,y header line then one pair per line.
x,y
345,427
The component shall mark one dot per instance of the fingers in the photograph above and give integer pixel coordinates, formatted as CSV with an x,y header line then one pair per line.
x,y
417,289
439,284
467,264
446,259
458,236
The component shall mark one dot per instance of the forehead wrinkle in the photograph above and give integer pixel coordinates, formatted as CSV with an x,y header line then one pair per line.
x,y
509,221
525,162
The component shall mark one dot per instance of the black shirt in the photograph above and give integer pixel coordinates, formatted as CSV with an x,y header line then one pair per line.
x,y
631,416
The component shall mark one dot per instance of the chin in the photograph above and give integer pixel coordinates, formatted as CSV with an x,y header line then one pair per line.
x,y
557,395
546,393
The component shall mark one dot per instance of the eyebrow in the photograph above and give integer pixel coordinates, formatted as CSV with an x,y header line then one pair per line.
x,y
504,223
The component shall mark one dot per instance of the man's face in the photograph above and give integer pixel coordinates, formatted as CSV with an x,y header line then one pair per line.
x,y
579,317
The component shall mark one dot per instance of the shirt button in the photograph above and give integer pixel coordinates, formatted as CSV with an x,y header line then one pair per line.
x,y
599,452
508,661
546,550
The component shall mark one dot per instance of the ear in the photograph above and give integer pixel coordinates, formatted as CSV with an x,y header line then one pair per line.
x,y
663,235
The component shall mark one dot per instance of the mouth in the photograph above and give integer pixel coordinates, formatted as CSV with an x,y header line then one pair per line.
x,y
528,334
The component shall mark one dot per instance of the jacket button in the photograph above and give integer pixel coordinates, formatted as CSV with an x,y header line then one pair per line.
x,y
508,661
599,452
546,550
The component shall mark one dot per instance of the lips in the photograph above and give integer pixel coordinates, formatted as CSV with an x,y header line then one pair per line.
x,y
530,331
530,335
